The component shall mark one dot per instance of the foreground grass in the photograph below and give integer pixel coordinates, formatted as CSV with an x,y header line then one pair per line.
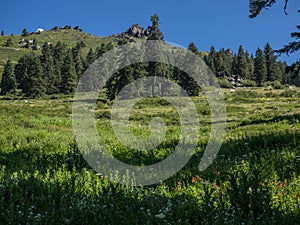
x,y
254,180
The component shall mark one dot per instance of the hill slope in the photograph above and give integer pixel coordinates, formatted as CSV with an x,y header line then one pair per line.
x,y
69,36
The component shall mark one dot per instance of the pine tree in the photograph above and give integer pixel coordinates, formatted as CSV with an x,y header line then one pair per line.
x,y
34,45
20,71
256,6
154,34
211,58
68,75
192,47
8,83
286,79
36,82
224,63
273,69
51,78
124,78
220,65
294,71
260,69
234,67
242,64
58,54
100,50
164,71
250,63
292,46
103,49
24,33
9,42
140,70
188,84
78,60
29,75
90,58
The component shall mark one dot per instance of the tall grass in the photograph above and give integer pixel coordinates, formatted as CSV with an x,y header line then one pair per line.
x,y
254,180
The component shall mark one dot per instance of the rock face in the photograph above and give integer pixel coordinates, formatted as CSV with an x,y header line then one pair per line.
x,y
137,31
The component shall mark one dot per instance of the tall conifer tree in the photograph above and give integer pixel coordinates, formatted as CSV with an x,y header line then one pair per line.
x,y
68,74
51,78
273,69
242,64
260,69
155,34
8,83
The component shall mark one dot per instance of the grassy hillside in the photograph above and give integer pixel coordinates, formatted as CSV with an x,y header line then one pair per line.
x,y
254,180
70,37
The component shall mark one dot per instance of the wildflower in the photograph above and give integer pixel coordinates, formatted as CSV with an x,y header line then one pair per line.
x,y
197,178
38,216
160,216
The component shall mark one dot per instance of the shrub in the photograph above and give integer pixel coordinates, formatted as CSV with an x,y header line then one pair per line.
x,y
275,84
248,83
225,83
290,94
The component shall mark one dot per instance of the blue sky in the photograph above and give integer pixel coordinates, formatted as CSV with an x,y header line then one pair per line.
x,y
222,23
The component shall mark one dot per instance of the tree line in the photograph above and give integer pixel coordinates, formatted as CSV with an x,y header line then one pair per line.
x,y
59,67
252,70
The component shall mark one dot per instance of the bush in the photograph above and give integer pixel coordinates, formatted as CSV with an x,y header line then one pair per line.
x,y
275,84
290,94
225,83
248,83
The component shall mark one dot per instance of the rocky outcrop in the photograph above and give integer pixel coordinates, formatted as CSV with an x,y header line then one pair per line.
x,y
137,31
67,27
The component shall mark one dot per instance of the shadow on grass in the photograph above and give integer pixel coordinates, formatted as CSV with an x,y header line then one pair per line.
x,y
30,159
70,194
290,118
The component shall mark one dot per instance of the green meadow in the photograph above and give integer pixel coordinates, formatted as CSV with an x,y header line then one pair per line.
x,y
255,178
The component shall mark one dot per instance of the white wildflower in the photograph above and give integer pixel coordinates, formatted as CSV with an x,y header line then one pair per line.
x,y
160,216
